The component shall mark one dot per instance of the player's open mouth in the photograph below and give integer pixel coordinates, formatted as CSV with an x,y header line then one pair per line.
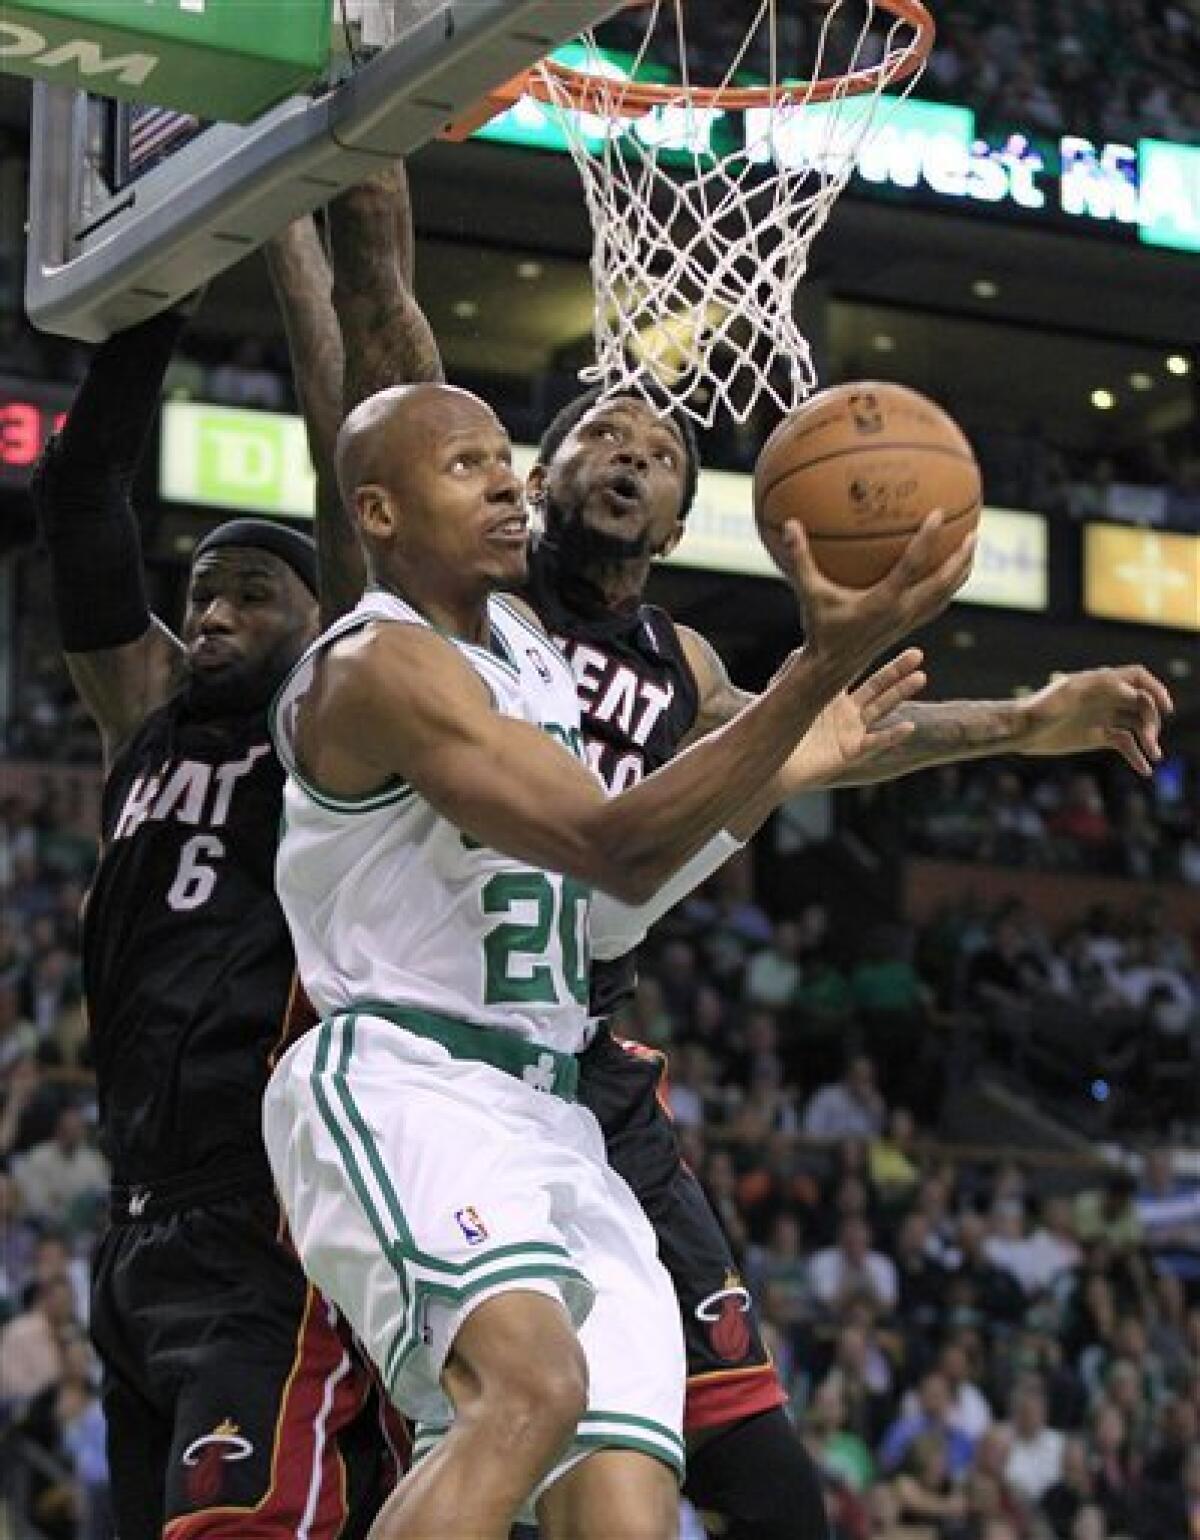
x,y
623,492
515,529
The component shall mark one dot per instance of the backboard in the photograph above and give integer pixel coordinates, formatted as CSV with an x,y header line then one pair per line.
x,y
132,209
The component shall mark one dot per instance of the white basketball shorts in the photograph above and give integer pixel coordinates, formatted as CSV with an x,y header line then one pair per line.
x,y
417,1184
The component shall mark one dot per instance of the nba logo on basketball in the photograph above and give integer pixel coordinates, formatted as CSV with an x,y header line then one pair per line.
x,y
864,409
471,1226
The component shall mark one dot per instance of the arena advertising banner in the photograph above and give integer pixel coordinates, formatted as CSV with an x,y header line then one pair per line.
x,y
1141,575
257,462
214,57
1150,188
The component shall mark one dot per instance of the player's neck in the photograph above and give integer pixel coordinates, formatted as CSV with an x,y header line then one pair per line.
x,y
463,616
616,585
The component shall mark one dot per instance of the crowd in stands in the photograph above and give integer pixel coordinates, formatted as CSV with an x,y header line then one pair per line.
x,y
976,1348
1060,818
1115,70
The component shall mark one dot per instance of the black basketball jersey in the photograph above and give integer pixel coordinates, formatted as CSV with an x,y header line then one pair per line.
x,y
187,958
638,698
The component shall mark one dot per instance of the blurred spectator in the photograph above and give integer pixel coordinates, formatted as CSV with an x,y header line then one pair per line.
x,y
930,1417
31,1343
926,1491
851,1270
978,1290
863,1375
894,1166
773,974
1110,1214
1117,1467
1169,1211
921,1281
64,1178
1035,1451
852,1108
1071,1490
841,1455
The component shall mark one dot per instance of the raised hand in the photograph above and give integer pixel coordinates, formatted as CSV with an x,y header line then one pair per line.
x,y
850,627
858,729
1118,708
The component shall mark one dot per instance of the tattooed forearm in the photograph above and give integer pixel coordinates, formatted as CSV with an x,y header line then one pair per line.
x,y
387,339
303,284
947,731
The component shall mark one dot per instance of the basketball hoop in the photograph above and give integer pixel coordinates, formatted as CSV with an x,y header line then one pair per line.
x,y
701,231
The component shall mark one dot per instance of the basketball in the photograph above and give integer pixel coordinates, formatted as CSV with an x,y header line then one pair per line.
x,y
860,466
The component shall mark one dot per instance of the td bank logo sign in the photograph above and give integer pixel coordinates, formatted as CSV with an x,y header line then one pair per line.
x,y
248,462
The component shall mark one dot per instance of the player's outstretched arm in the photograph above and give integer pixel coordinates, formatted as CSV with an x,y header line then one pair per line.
x,y
303,284
387,338
123,660
348,338
868,735
400,701
852,744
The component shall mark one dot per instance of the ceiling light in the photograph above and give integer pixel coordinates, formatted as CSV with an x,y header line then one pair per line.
x,y
1179,668
465,309
1103,400
882,343
529,270
985,288
1140,380
963,639
1177,363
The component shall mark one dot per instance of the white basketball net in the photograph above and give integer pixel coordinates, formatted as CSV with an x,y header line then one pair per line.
x,y
699,249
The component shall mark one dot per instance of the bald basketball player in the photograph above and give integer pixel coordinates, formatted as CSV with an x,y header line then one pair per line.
x,y
614,484
442,838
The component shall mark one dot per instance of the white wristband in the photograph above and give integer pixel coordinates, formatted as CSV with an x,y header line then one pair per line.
x,y
616,928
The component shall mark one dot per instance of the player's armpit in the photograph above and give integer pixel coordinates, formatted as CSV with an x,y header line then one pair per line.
x,y
720,699
121,686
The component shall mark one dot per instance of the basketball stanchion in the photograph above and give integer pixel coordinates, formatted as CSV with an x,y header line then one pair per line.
x,y
109,246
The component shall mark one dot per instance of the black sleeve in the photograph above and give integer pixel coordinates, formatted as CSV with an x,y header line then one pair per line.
x,y
81,489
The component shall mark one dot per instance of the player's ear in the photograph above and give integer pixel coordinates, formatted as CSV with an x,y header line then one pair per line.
x,y
376,517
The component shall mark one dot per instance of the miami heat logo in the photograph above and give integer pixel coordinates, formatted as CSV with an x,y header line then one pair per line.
x,y
724,1317
204,1458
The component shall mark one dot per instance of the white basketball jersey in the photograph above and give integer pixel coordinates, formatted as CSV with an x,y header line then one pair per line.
x,y
388,901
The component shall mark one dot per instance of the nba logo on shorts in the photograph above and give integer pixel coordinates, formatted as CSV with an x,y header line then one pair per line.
x,y
540,664
471,1226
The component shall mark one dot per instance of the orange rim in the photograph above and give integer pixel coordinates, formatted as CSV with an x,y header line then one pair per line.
x,y
554,83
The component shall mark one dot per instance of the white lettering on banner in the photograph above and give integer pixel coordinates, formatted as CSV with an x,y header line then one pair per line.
x,y
130,69
1099,182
